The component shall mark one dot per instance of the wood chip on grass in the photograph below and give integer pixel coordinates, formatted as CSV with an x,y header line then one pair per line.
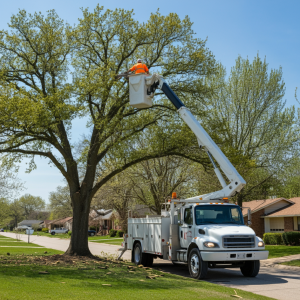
x,y
236,295
44,272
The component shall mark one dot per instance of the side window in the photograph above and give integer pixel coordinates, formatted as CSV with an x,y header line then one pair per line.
x,y
235,215
188,216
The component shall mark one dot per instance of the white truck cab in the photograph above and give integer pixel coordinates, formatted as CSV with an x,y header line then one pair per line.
x,y
203,231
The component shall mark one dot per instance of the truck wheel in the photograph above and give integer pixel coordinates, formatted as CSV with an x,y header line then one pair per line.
x,y
197,267
52,233
138,257
251,268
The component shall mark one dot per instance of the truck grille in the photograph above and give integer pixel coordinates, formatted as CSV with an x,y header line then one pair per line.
x,y
239,241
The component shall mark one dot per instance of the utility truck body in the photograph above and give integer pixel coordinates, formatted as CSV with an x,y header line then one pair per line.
x,y
204,231
201,235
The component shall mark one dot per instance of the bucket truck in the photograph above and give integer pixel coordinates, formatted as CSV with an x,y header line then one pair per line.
x,y
205,231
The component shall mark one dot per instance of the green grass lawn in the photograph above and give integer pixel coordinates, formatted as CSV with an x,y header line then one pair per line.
x,y
34,275
14,248
106,240
280,250
57,235
294,263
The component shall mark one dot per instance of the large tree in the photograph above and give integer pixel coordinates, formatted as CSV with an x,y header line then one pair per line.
x,y
38,99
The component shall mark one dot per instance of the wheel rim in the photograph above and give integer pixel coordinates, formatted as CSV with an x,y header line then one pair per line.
x,y
195,264
137,254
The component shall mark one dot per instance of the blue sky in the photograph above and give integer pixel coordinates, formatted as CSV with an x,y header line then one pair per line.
x,y
233,27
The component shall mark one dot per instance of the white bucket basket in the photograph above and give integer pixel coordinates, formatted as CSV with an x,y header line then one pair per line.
x,y
138,92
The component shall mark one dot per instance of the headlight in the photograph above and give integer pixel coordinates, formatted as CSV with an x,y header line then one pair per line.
x,y
261,244
210,245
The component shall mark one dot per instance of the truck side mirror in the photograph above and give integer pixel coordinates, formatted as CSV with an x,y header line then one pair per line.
x,y
249,217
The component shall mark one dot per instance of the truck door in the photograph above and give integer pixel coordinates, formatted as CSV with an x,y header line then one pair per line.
x,y
186,228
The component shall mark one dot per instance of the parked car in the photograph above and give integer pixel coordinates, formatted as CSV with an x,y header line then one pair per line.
x,y
24,227
58,230
91,232
1,230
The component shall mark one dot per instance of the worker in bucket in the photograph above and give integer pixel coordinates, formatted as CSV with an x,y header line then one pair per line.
x,y
139,68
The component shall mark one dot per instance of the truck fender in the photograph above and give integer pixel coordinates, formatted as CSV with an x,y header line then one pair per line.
x,y
191,246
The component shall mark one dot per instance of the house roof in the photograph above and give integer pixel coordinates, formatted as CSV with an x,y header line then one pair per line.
x,y
256,205
291,210
61,221
46,222
30,222
107,216
103,212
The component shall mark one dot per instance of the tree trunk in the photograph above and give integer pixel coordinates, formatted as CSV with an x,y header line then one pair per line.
x,y
79,238
240,198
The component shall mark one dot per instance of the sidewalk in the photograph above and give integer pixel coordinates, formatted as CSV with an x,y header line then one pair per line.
x,y
63,244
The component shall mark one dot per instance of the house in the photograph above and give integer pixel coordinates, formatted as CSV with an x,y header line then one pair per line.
x,y
30,223
58,223
273,215
104,220
45,223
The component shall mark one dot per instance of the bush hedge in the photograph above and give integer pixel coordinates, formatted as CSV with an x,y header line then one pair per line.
x,y
69,233
291,238
120,233
45,230
112,232
273,238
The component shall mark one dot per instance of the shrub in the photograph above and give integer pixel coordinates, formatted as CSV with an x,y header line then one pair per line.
x,y
273,239
112,232
45,230
291,238
93,228
69,233
120,233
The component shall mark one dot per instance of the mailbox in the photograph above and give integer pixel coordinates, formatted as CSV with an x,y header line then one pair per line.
x,y
29,231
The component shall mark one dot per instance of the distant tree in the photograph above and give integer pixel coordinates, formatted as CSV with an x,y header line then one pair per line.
x,y
60,203
16,212
39,215
153,181
247,117
30,204
289,180
4,211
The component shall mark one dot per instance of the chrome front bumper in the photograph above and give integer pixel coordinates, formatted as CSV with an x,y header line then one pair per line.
x,y
234,255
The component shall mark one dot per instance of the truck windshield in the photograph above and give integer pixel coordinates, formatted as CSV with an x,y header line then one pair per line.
x,y
218,214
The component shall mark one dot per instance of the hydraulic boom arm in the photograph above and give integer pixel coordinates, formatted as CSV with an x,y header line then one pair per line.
x,y
236,182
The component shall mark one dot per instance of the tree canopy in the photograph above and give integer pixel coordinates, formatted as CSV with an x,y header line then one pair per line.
x,y
38,99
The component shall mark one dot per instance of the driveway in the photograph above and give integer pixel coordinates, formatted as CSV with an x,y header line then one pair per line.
x,y
275,281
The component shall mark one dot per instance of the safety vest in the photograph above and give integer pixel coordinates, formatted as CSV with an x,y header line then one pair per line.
x,y
139,68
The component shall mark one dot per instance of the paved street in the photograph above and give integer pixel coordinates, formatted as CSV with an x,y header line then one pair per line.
x,y
279,282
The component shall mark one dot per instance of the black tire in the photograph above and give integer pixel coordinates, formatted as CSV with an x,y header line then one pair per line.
x,y
139,258
251,268
52,233
92,234
197,267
